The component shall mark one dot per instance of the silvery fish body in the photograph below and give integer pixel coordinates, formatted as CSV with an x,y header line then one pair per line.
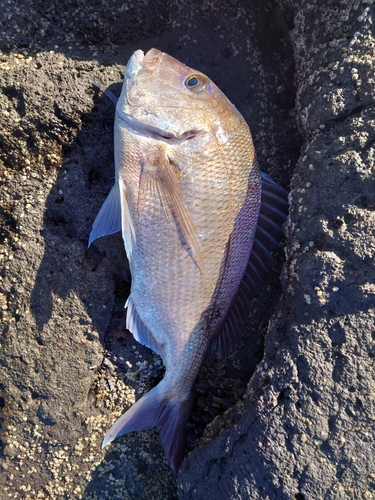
x,y
187,198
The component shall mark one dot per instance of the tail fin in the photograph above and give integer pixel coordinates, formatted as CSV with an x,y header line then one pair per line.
x,y
157,409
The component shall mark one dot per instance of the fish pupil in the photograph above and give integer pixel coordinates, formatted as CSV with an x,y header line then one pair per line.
x,y
192,82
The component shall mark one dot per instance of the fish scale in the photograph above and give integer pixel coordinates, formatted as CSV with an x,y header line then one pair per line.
x,y
187,198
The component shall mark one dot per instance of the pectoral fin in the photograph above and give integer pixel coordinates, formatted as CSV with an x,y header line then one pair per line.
x,y
159,180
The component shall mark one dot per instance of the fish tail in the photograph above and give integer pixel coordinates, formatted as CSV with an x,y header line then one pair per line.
x,y
158,409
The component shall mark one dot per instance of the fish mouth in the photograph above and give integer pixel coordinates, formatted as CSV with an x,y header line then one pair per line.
x,y
155,132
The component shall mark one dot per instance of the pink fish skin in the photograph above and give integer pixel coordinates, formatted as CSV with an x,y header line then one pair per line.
x,y
187,198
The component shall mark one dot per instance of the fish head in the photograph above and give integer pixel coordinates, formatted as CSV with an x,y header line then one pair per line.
x,y
164,98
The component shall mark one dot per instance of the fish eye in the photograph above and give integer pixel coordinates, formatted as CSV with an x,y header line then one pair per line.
x,y
196,83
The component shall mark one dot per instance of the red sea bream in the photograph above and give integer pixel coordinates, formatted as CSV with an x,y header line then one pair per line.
x,y
187,197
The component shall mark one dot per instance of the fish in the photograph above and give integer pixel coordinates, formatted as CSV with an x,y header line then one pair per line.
x,y
199,222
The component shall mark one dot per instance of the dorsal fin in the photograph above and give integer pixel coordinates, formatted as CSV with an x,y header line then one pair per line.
x,y
273,213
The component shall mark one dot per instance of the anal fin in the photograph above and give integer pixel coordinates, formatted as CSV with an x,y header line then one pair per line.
x,y
139,330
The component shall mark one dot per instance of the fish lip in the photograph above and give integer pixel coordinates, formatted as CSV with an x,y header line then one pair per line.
x,y
134,64
139,56
155,132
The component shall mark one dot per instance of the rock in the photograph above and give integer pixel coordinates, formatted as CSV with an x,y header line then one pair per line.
x,y
305,428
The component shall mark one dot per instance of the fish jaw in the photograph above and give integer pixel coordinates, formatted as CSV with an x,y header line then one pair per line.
x,y
155,132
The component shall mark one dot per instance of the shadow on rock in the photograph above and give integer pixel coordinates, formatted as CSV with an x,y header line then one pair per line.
x,y
68,265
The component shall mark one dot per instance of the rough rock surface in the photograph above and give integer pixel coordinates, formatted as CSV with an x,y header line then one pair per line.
x,y
69,367
305,429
